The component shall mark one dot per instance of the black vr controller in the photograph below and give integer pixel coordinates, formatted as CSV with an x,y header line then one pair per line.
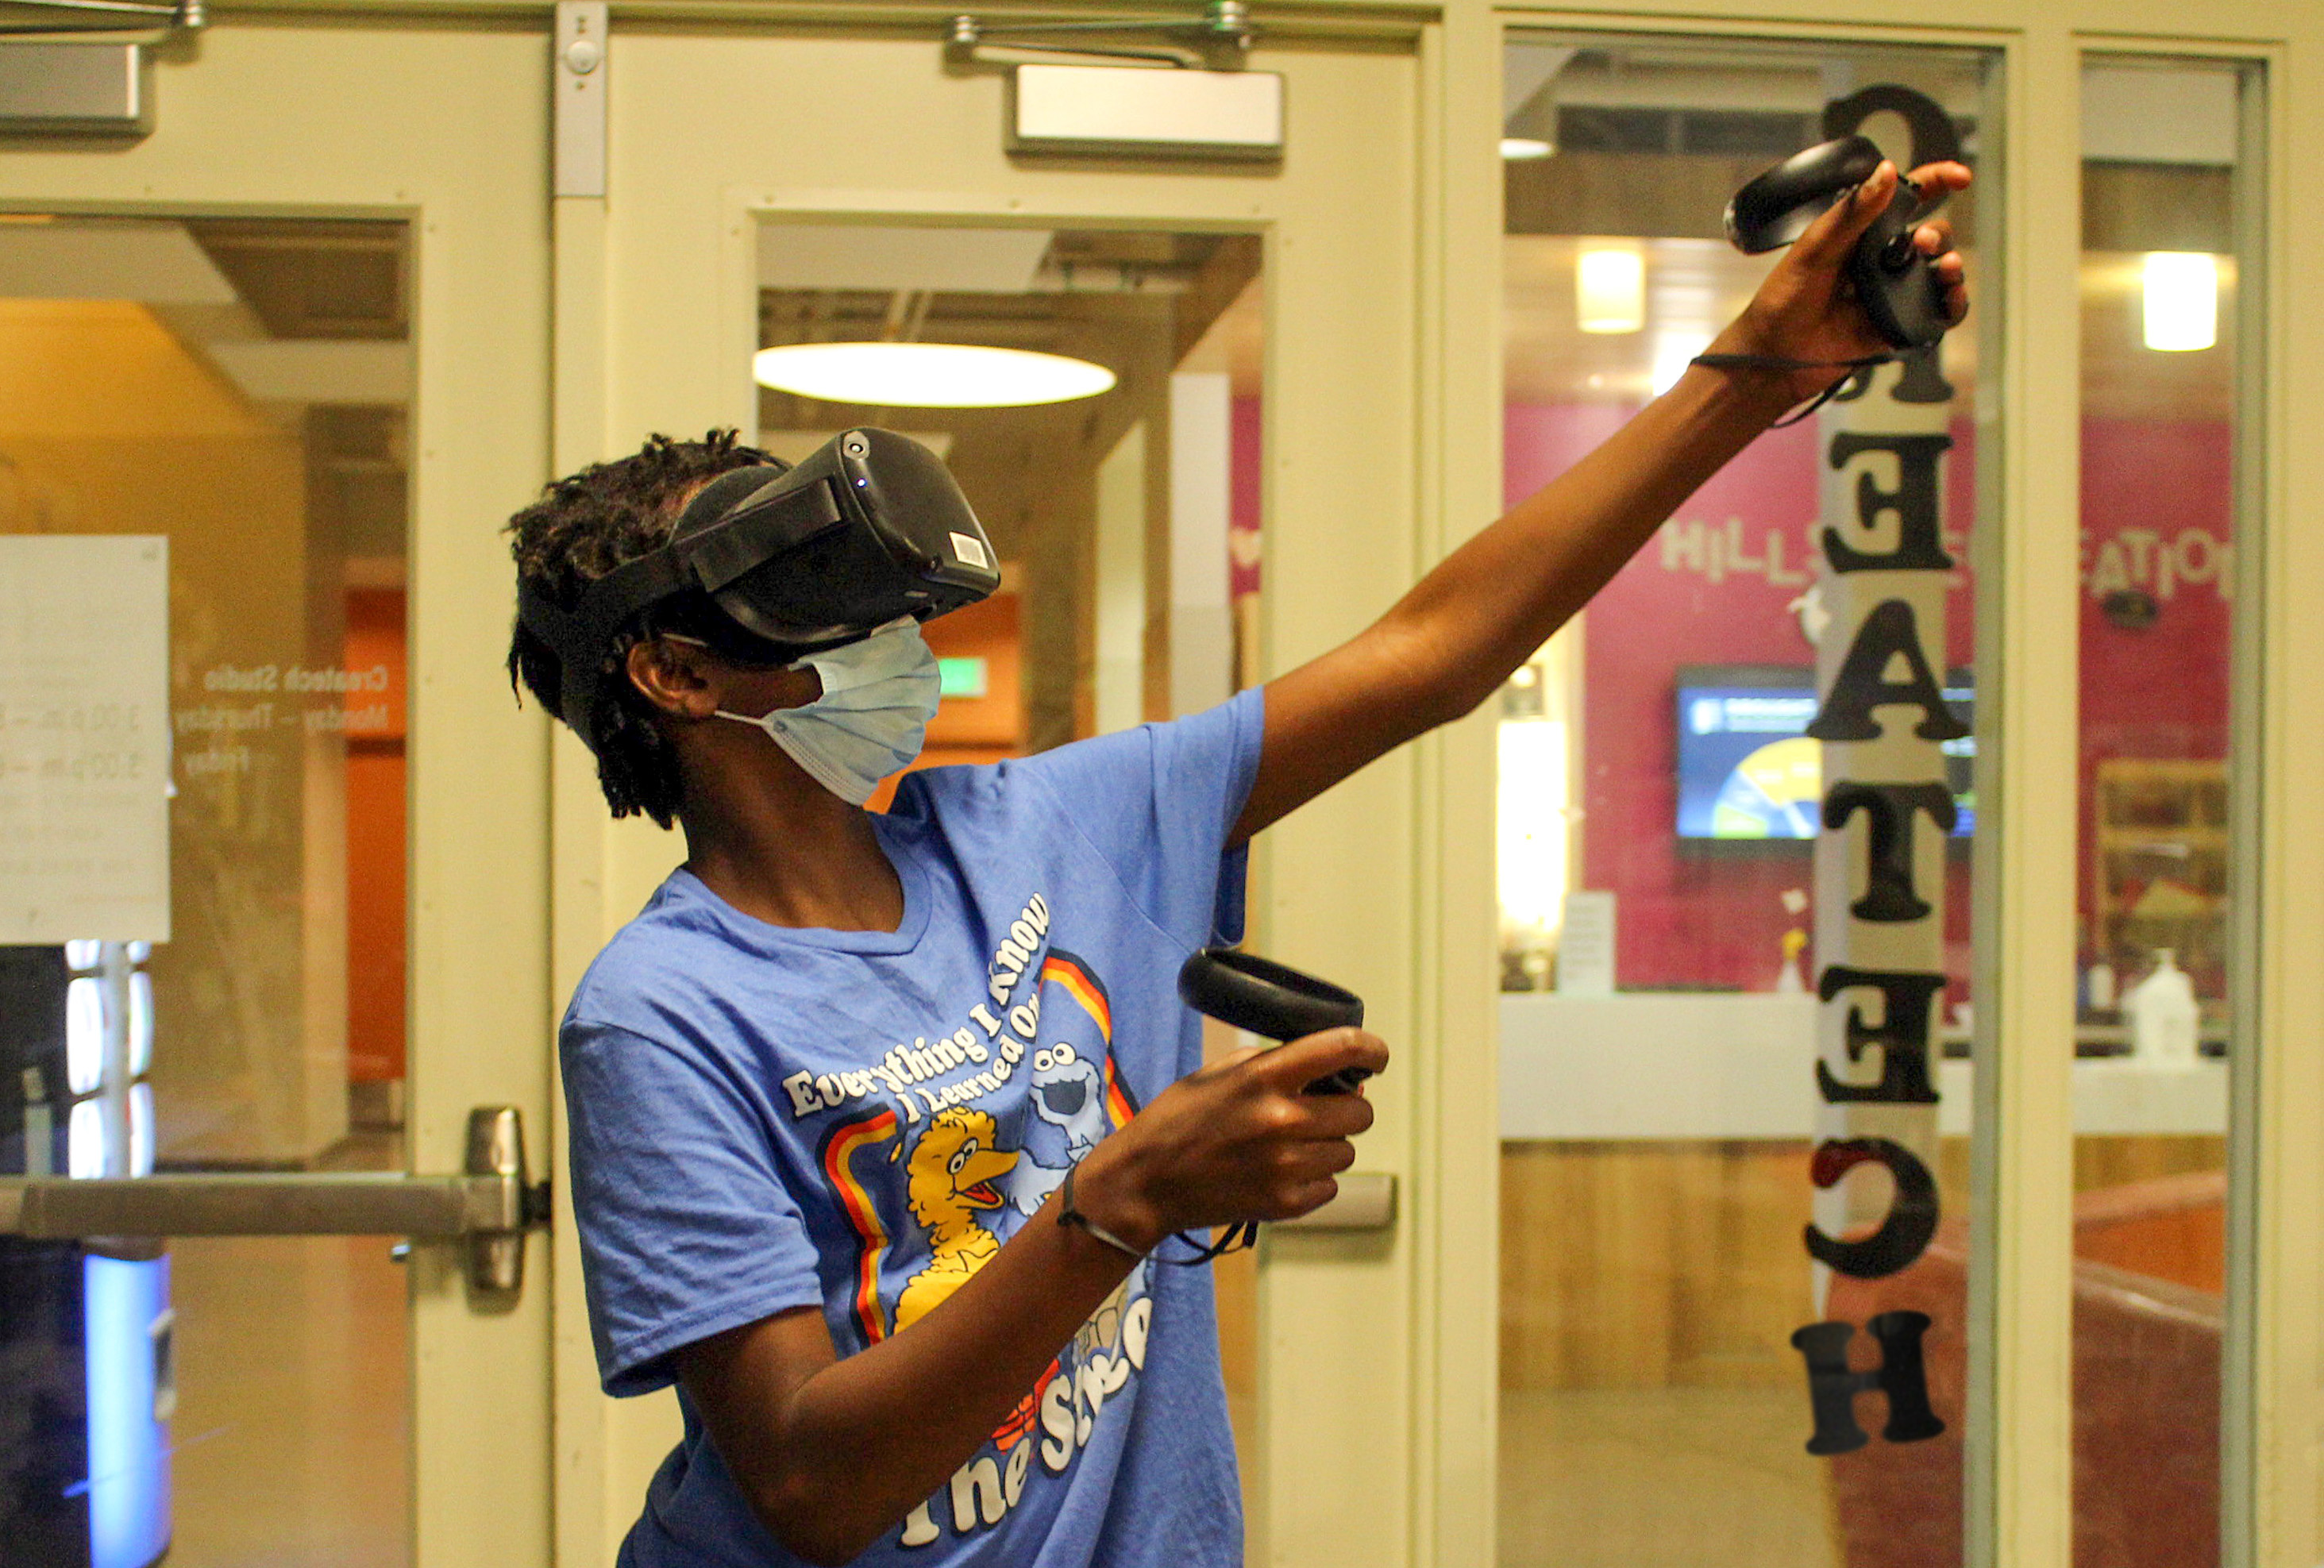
x,y
1896,284
1272,1001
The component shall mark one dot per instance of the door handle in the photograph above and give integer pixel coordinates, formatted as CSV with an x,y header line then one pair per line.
x,y
1367,1202
490,1206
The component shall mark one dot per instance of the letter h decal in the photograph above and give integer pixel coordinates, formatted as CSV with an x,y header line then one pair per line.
x,y
1833,1386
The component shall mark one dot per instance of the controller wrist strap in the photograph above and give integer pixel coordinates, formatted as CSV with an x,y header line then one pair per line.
x,y
1069,1215
1236,1237
1233,1238
1855,367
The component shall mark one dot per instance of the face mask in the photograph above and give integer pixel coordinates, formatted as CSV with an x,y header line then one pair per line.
x,y
879,695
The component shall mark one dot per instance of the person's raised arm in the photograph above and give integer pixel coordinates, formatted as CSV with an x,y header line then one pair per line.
x,y
833,1453
1449,642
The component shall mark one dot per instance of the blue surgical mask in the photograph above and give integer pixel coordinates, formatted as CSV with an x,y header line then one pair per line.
x,y
879,695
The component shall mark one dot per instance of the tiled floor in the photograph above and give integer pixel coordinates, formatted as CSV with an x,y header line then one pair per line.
x,y
1661,1478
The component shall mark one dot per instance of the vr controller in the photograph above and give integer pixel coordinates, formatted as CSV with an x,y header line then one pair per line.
x,y
1896,284
1272,1001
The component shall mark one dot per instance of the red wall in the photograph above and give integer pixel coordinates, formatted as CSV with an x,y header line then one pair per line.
x,y
1246,452
1713,589
375,840
2157,502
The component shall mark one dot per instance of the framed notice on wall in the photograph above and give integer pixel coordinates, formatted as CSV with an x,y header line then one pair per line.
x,y
84,738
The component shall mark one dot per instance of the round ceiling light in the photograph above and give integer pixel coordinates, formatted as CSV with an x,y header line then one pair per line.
x,y
928,375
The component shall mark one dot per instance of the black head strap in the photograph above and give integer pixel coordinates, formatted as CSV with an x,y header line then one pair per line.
x,y
713,499
584,635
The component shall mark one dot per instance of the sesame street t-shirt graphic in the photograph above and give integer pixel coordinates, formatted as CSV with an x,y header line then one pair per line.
x,y
948,1166
767,1118
967,1181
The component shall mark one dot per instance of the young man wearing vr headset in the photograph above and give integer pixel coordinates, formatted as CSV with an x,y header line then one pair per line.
x,y
885,1126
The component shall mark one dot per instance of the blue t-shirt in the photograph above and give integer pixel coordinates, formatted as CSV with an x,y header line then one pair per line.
x,y
765,1117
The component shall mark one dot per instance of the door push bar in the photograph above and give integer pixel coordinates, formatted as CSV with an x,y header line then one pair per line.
x,y
62,18
490,1206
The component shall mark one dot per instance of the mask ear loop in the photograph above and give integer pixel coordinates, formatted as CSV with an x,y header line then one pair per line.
x,y
759,723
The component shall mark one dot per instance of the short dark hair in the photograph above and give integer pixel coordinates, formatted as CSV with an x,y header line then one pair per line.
x,y
582,527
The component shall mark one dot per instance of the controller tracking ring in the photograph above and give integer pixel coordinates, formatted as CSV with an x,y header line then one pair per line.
x,y
1777,207
1270,1000
1896,285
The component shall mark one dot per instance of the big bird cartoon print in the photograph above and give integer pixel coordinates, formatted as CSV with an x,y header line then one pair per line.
x,y
950,1182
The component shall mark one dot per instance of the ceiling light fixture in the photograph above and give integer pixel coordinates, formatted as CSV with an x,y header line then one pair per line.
x,y
1610,288
927,375
1524,149
2181,299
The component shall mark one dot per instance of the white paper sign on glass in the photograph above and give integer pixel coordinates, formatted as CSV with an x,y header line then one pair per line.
x,y
84,738
1585,945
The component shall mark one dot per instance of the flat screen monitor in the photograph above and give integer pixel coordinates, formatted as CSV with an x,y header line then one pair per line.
x,y
1747,772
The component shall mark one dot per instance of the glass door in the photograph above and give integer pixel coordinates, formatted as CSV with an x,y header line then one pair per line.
x,y
267,820
1155,540
206,602
2172,277
1737,800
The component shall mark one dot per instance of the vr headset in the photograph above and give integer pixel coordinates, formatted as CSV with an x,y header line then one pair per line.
x,y
768,565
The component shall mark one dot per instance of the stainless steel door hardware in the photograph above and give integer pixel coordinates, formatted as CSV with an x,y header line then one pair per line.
x,y
489,1207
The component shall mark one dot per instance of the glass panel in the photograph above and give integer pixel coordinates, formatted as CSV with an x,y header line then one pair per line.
x,y
1685,865
294,1369
2163,177
202,588
1127,522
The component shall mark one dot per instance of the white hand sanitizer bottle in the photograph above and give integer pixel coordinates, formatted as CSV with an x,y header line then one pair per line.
x,y
1789,982
2163,1016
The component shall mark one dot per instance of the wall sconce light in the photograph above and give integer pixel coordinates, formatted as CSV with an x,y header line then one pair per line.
x,y
1525,148
2181,300
1610,288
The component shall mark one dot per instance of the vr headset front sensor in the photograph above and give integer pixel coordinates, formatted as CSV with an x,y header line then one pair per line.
x,y
768,565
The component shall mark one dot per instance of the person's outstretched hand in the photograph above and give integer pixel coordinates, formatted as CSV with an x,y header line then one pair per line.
x,y
1806,310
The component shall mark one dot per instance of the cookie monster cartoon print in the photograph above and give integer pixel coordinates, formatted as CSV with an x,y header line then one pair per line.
x,y
1074,1091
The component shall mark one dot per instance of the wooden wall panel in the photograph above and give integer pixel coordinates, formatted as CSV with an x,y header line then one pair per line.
x,y
1652,1264
1628,1265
